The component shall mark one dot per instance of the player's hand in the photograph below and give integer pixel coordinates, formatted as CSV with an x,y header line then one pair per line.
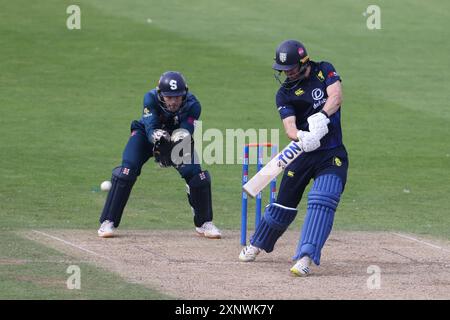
x,y
179,135
308,140
162,148
159,134
318,124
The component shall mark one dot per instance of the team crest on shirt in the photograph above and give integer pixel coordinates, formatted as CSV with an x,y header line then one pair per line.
x,y
283,56
290,173
320,76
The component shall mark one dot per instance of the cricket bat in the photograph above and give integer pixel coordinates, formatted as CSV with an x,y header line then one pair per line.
x,y
272,169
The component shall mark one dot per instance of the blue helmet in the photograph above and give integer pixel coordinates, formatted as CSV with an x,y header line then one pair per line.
x,y
171,84
290,54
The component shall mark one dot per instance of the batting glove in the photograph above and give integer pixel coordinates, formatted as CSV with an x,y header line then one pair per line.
x,y
318,124
308,141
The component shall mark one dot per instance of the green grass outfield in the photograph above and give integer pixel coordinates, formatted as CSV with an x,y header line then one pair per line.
x,y
67,99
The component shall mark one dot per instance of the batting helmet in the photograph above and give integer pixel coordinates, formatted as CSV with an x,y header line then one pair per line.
x,y
290,54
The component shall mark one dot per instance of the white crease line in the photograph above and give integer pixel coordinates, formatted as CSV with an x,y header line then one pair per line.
x,y
420,241
74,245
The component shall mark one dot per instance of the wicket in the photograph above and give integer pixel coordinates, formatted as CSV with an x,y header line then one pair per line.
x,y
273,186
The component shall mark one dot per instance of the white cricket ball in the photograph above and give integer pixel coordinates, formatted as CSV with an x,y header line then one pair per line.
x,y
105,186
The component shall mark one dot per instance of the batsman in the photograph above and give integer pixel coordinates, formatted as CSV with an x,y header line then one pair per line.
x,y
164,132
309,103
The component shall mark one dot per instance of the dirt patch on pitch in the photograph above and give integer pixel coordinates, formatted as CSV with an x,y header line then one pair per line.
x,y
189,267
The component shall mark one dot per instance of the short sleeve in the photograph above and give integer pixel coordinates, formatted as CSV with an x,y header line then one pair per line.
x,y
331,75
284,108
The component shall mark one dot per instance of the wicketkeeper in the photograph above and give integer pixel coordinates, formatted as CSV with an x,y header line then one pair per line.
x,y
309,102
164,132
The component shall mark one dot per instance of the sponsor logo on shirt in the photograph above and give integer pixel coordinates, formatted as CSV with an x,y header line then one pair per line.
x,y
332,74
299,92
317,94
191,120
147,113
319,103
337,161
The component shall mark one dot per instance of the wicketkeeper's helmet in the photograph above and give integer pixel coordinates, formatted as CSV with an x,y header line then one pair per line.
x,y
171,84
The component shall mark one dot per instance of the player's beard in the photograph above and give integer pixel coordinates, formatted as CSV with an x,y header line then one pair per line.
x,y
173,108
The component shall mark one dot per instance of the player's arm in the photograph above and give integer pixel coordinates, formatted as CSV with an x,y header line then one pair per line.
x,y
287,115
194,115
309,141
318,122
334,89
182,138
334,99
151,123
150,117
158,137
290,127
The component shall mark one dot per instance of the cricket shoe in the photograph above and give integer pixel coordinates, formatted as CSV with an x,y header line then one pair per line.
x,y
107,229
209,230
249,253
301,268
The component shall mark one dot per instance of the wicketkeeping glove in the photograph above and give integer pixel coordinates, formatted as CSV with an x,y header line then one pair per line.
x,y
162,148
182,147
